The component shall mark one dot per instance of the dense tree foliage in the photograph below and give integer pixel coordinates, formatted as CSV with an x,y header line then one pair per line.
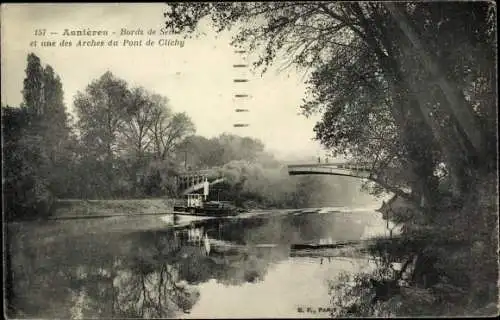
x,y
408,88
121,146
381,76
200,153
128,135
36,144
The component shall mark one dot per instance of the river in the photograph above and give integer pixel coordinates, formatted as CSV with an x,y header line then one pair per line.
x,y
158,266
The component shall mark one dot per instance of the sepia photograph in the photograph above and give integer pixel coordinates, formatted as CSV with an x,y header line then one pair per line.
x,y
208,160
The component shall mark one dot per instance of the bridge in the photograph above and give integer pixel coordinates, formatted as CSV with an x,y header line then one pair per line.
x,y
351,170
192,181
336,169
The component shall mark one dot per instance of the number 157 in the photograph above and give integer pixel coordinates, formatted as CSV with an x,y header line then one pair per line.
x,y
39,32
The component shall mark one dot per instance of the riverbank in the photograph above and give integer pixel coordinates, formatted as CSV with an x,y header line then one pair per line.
x,y
76,208
451,259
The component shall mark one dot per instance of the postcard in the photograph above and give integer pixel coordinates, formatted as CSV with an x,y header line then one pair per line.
x,y
249,159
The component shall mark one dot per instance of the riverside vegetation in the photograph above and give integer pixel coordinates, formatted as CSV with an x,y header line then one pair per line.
x,y
409,88
128,144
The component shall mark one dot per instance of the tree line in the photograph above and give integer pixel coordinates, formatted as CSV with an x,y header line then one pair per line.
x,y
121,144
125,142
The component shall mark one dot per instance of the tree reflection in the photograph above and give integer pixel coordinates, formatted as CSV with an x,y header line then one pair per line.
x,y
103,276
150,286
144,274
153,295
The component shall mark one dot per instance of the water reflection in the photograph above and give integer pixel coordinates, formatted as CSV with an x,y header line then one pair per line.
x,y
165,272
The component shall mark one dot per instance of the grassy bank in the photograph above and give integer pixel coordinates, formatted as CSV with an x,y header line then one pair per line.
x,y
449,263
69,208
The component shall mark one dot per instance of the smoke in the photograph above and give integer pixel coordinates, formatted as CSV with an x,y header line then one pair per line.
x,y
270,184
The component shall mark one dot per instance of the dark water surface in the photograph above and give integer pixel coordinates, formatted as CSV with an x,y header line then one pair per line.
x,y
147,267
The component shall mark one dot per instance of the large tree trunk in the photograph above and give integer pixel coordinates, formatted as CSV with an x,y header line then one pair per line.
x,y
456,104
404,94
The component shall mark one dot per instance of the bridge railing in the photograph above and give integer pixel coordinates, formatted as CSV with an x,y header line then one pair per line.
x,y
330,169
193,180
347,166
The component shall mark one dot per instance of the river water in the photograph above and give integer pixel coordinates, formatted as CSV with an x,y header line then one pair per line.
x,y
158,266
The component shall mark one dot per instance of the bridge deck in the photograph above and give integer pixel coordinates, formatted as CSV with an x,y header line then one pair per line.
x,y
193,180
329,169
331,165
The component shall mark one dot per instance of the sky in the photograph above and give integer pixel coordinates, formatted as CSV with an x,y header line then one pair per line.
x,y
197,77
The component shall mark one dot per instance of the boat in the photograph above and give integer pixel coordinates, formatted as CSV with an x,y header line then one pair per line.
x,y
195,204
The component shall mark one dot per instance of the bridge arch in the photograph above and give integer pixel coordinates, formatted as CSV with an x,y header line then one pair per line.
x,y
336,169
